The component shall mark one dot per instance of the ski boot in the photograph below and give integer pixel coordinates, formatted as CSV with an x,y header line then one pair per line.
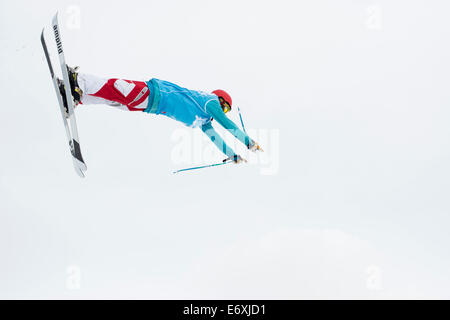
x,y
74,88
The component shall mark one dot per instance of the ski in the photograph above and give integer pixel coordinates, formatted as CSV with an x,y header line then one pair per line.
x,y
75,144
72,130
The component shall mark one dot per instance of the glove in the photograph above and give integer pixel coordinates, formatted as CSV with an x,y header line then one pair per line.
x,y
255,147
236,159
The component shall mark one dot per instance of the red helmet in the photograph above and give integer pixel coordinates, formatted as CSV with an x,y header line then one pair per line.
x,y
225,97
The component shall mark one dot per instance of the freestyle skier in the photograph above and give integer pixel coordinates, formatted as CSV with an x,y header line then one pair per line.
x,y
195,109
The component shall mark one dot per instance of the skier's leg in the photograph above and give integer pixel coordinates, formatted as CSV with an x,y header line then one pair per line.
x,y
126,94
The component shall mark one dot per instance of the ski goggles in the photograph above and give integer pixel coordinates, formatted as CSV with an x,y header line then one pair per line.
x,y
225,105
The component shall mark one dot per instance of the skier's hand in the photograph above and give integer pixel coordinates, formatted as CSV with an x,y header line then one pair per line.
x,y
255,147
236,159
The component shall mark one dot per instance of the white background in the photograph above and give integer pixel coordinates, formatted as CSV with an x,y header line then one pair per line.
x,y
358,208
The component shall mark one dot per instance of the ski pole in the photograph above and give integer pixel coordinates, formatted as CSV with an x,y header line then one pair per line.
x,y
202,167
242,122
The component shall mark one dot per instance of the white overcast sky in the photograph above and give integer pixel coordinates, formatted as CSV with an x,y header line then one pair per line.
x,y
356,93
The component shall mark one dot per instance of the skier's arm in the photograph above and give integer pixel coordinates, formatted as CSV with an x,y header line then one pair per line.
x,y
214,109
217,140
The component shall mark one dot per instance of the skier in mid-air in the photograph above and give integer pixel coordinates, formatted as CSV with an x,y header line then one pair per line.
x,y
192,108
